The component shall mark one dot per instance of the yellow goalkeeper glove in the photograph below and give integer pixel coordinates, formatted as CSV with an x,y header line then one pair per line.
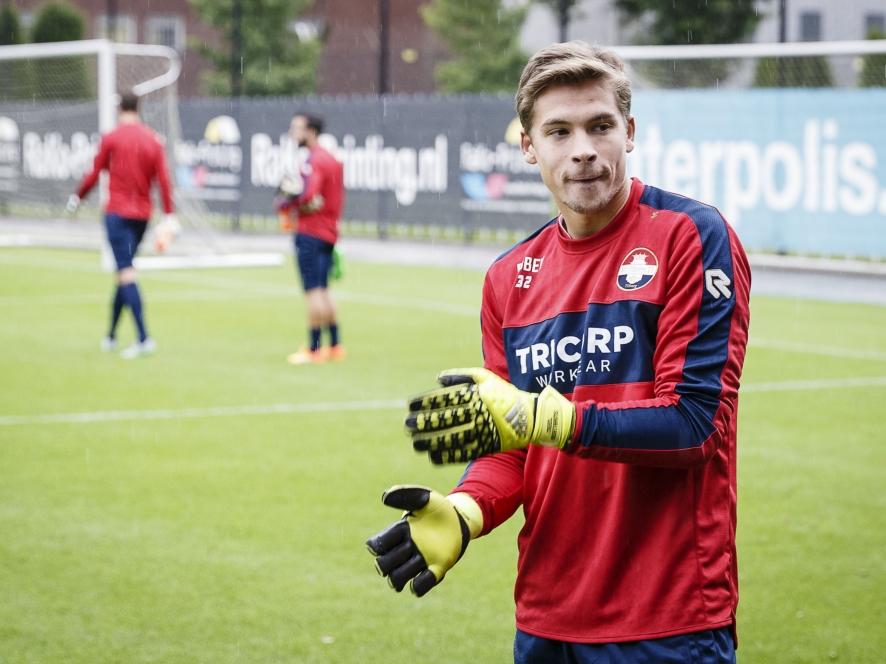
x,y
477,413
430,538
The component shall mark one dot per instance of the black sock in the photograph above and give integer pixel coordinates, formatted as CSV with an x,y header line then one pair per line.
x,y
116,310
315,338
333,334
133,300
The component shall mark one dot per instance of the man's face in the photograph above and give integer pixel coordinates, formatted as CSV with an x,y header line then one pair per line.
x,y
298,130
580,141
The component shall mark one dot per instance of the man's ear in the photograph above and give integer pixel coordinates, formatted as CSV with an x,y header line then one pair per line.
x,y
528,148
632,128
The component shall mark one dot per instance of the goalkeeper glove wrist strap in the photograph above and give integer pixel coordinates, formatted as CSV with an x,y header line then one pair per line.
x,y
554,421
469,511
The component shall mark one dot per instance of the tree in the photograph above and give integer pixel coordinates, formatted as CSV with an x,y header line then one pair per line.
x,y
873,69
275,61
60,78
811,71
483,37
562,10
14,75
673,22
10,26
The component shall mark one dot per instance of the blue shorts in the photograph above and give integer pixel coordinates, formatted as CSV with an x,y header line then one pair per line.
x,y
708,647
124,236
314,258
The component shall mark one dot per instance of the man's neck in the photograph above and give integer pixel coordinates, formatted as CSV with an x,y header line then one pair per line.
x,y
581,225
127,117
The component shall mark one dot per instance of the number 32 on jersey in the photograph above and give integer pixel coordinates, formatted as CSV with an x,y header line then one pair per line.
x,y
528,265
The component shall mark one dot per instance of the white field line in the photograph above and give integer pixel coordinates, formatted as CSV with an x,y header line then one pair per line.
x,y
179,296
226,283
216,411
266,293
813,349
270,293
817,384
230,284
339,406
470,311
105,298
230,289
10,258
234,288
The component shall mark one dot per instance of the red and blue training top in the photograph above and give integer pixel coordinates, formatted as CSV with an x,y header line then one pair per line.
x,y
134,157
629,533
320,204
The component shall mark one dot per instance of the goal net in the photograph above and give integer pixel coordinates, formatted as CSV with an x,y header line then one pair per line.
x,y
787,140
850,64
55,102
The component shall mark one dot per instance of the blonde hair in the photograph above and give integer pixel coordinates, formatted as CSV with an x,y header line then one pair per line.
x,y
570,63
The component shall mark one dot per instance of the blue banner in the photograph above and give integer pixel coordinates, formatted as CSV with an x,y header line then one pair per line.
x,y
797,171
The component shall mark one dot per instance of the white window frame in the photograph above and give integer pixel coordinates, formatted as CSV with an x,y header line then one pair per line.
x,y
874,17
810,14
26,20
158,22
126,28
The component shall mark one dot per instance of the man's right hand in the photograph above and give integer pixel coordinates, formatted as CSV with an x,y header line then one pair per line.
x,y
72,204
166,231
430,538
476,413
291,185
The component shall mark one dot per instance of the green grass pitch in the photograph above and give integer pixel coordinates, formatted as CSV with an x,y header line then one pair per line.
x,y
210,503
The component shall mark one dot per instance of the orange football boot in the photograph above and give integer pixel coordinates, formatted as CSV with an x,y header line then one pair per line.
x,y
306,356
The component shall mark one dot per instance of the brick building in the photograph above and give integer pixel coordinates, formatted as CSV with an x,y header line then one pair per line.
x,y
351,60
352,29
167,22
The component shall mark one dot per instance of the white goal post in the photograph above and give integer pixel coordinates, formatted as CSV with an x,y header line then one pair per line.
x,y
57,99
752,50
106,53
755,65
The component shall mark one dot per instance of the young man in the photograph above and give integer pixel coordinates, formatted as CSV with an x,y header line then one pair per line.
x,y
311,206
134,157
613,340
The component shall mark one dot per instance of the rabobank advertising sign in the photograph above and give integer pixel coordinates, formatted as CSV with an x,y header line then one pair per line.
x,y
800,171
793,170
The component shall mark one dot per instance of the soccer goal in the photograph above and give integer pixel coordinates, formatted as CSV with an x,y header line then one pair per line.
x,y
786,139
55,102
840,64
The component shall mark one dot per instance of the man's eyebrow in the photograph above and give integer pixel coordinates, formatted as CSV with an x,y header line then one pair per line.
x,y
600,117
555,121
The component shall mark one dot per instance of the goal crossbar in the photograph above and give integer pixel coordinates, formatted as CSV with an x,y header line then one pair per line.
x,y
113,62
105,52
756,50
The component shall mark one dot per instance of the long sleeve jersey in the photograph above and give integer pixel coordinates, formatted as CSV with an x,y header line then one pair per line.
x,y
629,533
134,157
320,204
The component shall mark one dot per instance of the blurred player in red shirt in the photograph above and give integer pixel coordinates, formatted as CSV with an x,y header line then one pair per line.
x,y
309,204
134,158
